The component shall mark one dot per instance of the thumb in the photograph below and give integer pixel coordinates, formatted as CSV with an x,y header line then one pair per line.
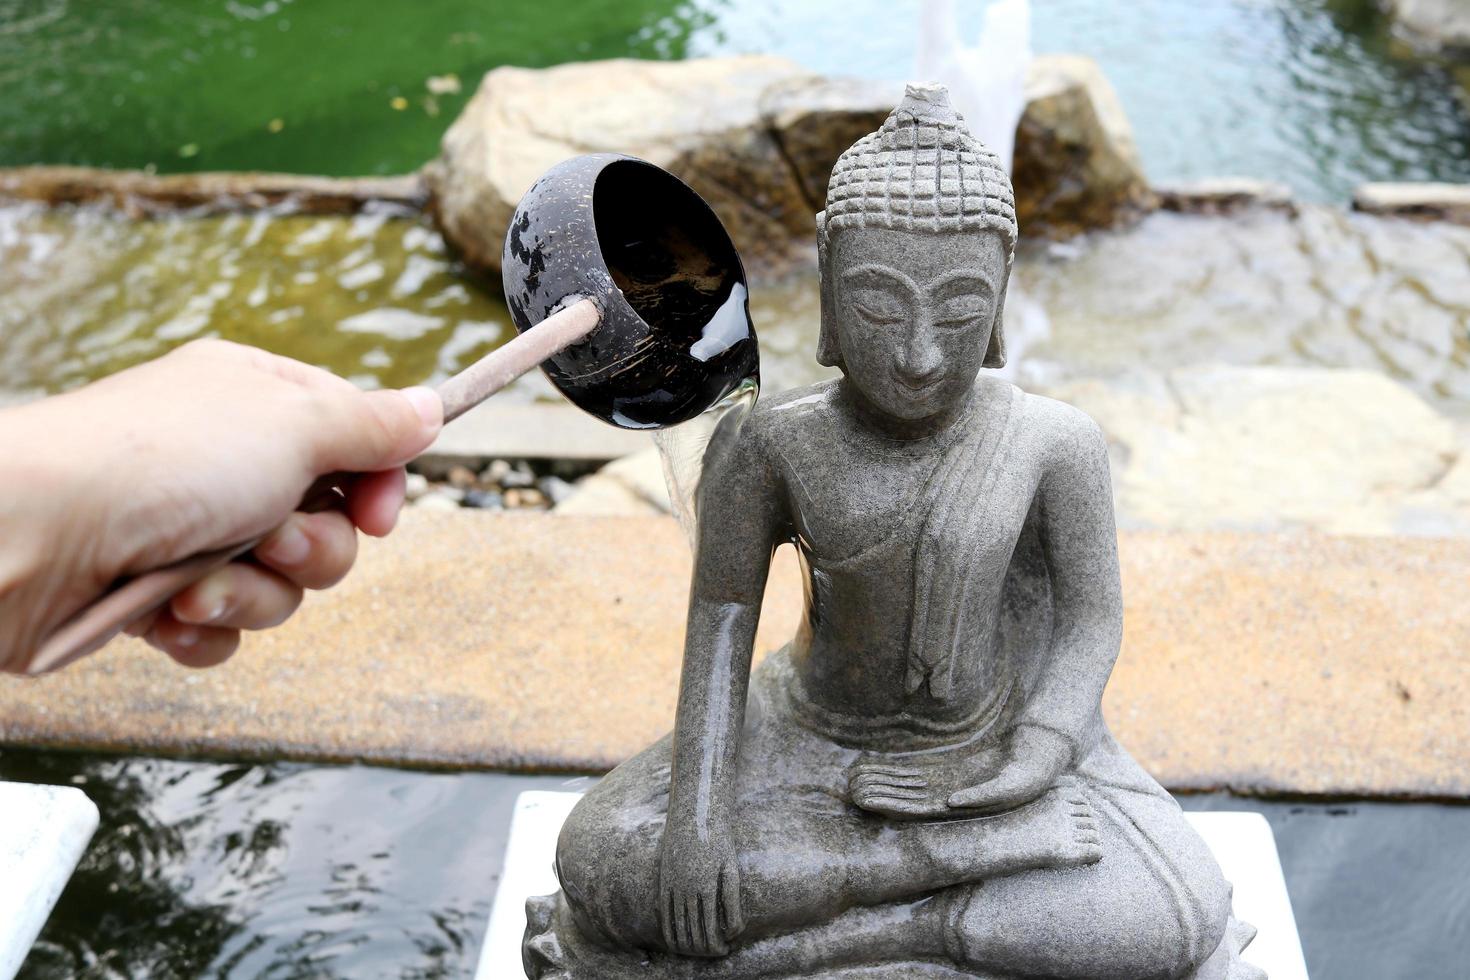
x,y
996,791
367,431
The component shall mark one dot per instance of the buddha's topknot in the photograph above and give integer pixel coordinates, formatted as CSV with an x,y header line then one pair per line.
x,y
922,171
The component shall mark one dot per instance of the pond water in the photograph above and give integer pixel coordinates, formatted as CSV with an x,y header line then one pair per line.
x,y
374,298
217,870
1310,92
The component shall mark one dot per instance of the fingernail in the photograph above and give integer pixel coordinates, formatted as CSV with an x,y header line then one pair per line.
x,y
214,597
216,609
426,403
288,546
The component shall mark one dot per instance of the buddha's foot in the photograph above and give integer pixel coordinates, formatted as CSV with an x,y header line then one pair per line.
x,y
1059,830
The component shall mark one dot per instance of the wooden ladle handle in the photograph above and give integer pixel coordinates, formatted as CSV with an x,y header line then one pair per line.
x,y
101,620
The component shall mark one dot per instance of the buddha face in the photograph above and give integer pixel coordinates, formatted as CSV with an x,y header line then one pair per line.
x,y
914,313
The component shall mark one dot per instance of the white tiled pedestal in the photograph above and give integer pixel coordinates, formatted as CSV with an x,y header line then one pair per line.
x,y
43,832
1242,843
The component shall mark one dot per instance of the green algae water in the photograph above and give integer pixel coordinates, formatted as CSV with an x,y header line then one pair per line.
x,y
372,297
340,87
1315,93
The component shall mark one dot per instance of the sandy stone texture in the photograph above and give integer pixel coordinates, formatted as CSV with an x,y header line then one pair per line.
x,y
1277,448
1275,663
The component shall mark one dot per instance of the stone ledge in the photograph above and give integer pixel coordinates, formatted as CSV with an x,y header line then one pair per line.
x,y
1270,664
1423,201
1225,196
141,194
493,430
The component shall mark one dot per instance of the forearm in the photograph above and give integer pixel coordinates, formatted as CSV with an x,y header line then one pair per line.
x,y
36,506
1069,689
711,712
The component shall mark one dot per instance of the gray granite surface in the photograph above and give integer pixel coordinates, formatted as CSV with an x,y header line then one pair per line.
x,y
921,783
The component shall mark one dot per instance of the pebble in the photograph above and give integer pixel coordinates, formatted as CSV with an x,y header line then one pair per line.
x,y
437,501
525,497
519,476
495,472
556,489
461,477
483,499
417,485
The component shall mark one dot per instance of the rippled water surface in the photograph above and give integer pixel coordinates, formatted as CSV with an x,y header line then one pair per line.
x,y
374,298
1311,92
217,870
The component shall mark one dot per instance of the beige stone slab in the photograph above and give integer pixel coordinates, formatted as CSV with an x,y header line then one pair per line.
x,y
1265,663
1429,201
495,430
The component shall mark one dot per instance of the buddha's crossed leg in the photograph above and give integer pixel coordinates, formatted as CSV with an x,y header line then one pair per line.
x,y
805,853
1134,915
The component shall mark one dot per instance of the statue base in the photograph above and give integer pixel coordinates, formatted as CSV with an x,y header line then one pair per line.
x,y
530,928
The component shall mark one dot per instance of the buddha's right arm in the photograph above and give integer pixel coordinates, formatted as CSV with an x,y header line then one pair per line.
x,y
740,507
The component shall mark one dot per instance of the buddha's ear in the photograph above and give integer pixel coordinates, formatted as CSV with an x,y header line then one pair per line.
x,y
995,353
829,347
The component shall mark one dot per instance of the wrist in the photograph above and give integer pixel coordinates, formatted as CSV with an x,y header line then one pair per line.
x,y
1042,741
30,505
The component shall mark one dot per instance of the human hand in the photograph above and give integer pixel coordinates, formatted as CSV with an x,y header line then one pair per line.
x,y
699,890
211,445
1035,759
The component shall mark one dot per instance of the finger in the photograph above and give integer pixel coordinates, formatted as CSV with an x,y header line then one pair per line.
x,y
895,792
709,923
879,779
730,903
238,596
375,499
887,770
193,646
687,916
312,550
676,924
367,431
666,920
894,805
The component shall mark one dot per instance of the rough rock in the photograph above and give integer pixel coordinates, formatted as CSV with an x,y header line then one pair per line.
x,y
757,136
1427,201
815,118
1437,24
632,485
700,119
1076,164
1273,448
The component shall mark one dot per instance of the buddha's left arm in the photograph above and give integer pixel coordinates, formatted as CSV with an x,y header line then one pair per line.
x,y
1080,541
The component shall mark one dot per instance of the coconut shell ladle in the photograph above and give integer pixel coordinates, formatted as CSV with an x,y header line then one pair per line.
x,y
623,286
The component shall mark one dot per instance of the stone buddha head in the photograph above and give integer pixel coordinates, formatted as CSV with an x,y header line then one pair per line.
x,y
915,248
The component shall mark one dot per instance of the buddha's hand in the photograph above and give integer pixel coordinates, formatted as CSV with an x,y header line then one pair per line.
x,y
1035,759
699,889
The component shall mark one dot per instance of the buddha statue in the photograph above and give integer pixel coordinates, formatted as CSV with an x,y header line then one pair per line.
x,y
921,783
